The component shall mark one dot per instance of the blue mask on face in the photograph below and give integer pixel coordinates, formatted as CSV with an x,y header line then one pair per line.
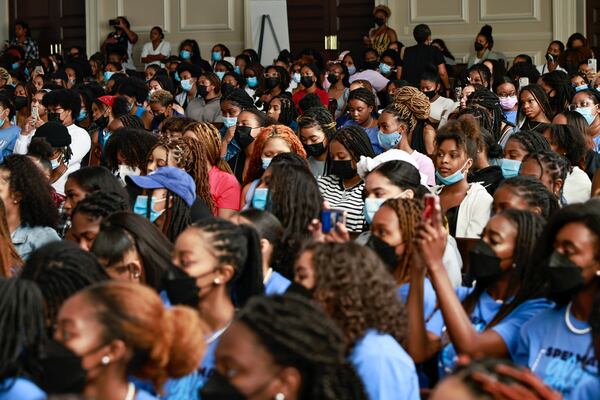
x,y
186,85
580,88
220,74
229,121
216,56
385,69
237,70
587,113
185,55
371,207
510,168
352,70
452,179
259,199
266,161
388,140
15,66
141,208
82,115
252,81
108,75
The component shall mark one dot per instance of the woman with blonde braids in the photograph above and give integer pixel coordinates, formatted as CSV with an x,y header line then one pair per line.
x,y
414,106
224,187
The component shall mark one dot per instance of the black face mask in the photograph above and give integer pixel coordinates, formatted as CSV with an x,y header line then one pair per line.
x,y
299,289
332,79
62,370
478,46
227,87
20,102
55,117
343,169
102,122
550,57
379,21
271,83
158,119
565,277
242,136
484,264
202,90
430,94
386,252
183,290
315,150
219,387
307,81
372,65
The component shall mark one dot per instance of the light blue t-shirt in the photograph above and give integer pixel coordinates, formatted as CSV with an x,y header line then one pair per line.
x,y
484,312
20,388
277,284
386,370
429,298
511,116
561,358
372,133
588,388
8,138
597,144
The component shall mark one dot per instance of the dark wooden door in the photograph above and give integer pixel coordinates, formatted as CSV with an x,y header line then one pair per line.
x,y
51,22
309,21
592,13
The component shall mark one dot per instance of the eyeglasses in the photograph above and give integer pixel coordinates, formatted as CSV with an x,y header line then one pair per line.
x,y
583,104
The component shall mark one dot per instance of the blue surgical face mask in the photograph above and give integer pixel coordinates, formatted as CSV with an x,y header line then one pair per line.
x,y
587,113
352,70
259,198
252,81
216,56
141,207
108,75
176,76
385,69
15,66
388,140
452,179
184,54
229,121
296,76
371,208
237,70
580,88
55,163
220,74
82,115
186,85
510,168
266,161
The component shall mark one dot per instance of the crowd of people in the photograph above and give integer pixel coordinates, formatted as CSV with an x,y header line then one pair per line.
x,y
387,225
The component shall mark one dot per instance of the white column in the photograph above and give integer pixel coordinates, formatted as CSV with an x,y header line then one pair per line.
x,y
564,19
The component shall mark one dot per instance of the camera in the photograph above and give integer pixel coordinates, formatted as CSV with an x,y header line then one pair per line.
x,y
113,22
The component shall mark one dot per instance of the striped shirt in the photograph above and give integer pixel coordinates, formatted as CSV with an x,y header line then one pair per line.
x,y
349,200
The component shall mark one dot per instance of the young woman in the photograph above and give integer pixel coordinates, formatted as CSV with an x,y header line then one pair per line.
x,y
517,147
484,42
232,104
390,65
8,132
479,74
587,103
441,107
525,193
381,35
483,320
338,77
556,84
534,109
363,114
466,205
316,127
506,91
157,50
283,347
120,330
218,256
189,76
205,106
189,52
411,102
311,83
88,180
347,280
569,250
550,168
276,81
343,188
127,150
497,126
30,210
10,261
283,110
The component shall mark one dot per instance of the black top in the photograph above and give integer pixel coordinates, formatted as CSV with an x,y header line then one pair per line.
x,y
237,163
452,218
490,178
417,59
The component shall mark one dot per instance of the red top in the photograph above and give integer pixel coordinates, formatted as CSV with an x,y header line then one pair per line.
x,y
319,92
224,189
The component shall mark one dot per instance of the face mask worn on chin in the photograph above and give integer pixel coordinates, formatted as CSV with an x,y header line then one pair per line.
x,y
182,289
307,81
507,103
315,149
243,136
343,169
452,179
259,198
386,252
388,140
266,161
510,168
371,207
62,370
252,82
142,208
564,275
384,69
102,122
483,261
478,47
586,112
228,122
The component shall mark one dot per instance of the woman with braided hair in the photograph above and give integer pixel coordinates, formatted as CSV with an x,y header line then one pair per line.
x,y
525,193
362,109
316,127
414,106
550,168
352,285
486,99
534,109
282,347
517,147
559,89
282,109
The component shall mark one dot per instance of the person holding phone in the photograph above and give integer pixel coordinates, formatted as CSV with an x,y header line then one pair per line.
x,y
121,41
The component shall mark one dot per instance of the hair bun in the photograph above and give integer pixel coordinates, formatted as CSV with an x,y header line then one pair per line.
x,y
187,345
486,30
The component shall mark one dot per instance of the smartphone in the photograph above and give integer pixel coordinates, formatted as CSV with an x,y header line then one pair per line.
x,y
329,218
523,82
592,65
35,113
39,70
430,202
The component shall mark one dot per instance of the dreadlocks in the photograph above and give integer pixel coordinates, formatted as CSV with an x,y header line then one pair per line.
x,y
99,205
133,144
297,333
489,101
559,82
210,139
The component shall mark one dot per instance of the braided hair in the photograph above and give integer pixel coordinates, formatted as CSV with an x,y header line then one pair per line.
x,y
556,166
572,140
534,193
99,205
489,101
297,333
288,112
531,141
559,82
540,96
414,108
353,285
484,73
239,98
23,333
364,95
409,213
526,281
210,139
319,117
238,246
61,269
133,144
355,140
481,115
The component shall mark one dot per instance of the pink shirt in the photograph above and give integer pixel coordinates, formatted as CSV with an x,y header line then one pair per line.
x,y
224,189
425,166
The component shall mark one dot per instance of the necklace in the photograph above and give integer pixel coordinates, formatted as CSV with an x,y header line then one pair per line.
x,y
130,392
570,325
215,335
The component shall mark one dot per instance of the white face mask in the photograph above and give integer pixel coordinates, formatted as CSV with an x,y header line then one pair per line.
x,y
126,170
